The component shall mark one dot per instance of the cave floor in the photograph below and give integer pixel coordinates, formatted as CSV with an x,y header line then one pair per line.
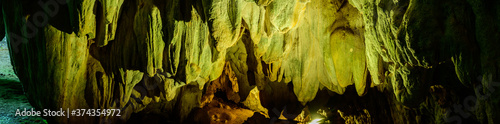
x,y
11,93
12,98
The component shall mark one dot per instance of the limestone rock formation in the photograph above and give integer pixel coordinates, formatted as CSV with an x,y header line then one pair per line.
x,y
181,58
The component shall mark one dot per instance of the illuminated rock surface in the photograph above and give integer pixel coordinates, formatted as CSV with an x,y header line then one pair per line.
x,y
215,59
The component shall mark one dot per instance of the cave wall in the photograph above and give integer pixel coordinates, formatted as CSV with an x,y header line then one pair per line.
x,y
437,44
170,57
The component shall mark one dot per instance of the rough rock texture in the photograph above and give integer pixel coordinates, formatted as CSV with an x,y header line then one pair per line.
x,y
178,59
423,41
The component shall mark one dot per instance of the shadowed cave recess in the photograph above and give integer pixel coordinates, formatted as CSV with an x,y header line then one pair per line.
x,y
258,61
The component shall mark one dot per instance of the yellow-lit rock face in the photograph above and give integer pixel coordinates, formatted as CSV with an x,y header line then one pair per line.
x,y
173,57
136,53
150,37
109,12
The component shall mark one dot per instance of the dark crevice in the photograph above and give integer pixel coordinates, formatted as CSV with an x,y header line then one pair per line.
x,y
223,96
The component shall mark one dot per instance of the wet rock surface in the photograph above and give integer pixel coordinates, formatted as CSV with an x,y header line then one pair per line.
x,y
421,61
